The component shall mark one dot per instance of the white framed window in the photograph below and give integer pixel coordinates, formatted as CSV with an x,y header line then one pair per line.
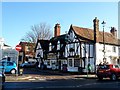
x,y
61,45
119,51
72,49
83,49
58,45
76,62
77,49
91,50
50,47
71,45
114,49
70,62
71,36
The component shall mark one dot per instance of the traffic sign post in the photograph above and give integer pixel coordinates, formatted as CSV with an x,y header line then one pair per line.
x,y
18,48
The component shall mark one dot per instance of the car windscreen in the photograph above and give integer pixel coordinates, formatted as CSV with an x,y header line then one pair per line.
x,y
116,66
104,67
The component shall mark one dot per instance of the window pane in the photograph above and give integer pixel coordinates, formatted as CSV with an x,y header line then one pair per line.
x,y
70,62
91,50
9,64
119,52
114,49
76,63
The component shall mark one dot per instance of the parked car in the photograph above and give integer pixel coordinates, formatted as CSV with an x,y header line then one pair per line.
x,y
108,71
9,67
28,64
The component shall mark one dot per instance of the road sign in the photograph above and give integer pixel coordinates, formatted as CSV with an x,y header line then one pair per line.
x,y
18,47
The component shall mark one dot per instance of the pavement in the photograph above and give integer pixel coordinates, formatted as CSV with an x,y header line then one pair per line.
x,y
48,75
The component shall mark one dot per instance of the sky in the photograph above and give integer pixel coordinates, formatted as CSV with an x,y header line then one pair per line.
x,y
18,17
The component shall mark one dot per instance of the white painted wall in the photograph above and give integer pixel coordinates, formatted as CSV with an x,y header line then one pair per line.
x,y
39,51
109,53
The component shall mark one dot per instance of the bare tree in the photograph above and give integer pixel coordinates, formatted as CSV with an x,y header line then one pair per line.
x,y
41,31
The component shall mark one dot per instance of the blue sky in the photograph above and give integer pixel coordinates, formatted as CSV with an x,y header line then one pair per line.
x,y
18,17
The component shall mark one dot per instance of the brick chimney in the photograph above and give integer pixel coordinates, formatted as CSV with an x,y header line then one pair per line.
x,y
114,31
57,30
96,29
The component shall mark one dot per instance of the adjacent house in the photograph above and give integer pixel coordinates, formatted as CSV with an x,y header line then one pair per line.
x,y
56,55
7,51
27,51
10,52
1,46
80,47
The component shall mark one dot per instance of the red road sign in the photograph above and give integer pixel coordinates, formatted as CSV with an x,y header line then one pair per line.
x,y
18,47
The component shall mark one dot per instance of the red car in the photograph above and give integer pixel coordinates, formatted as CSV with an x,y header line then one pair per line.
x,y
110,70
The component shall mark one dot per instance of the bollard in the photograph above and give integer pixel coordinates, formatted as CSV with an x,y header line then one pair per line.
x,y
21,71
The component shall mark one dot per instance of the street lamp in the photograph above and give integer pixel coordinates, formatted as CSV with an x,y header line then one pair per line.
x,y
104,59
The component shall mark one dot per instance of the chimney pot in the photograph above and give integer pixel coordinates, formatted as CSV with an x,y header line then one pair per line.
x,y
114,31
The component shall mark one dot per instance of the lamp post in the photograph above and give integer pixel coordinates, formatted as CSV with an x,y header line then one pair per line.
x,y
87,62
104,59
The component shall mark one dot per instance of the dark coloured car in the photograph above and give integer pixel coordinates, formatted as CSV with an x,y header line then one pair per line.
x,y
108,71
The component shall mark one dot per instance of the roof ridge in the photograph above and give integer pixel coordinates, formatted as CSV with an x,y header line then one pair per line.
x,y
83,27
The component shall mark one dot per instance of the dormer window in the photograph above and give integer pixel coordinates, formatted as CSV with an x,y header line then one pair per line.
x,y
50,47
58,45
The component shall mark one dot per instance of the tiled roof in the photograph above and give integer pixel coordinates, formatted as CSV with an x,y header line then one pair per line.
x,y
109,38
89,34
84,32
61,38
44,44
24,43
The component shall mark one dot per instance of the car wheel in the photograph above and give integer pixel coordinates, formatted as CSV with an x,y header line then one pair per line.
x,y
113,77
100,78
13,71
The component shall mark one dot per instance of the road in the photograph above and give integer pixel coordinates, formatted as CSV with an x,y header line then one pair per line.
x,y
70,83
74,82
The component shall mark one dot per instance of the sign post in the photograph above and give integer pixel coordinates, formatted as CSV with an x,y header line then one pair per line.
x,y
18,48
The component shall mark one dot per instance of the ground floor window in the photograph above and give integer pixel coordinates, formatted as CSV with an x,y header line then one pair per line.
x,y
118,61
48,62
76,62
70,61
